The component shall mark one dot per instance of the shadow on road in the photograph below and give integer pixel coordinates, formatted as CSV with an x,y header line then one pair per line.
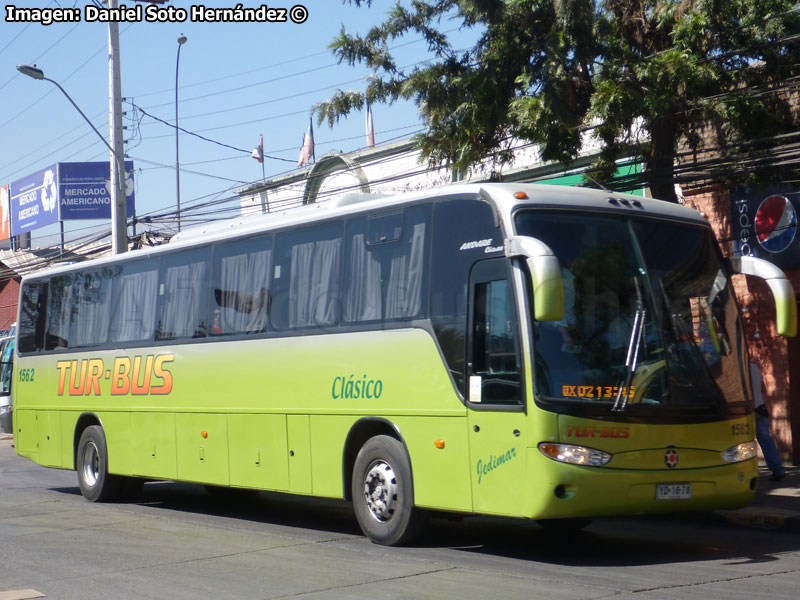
x,y
621,541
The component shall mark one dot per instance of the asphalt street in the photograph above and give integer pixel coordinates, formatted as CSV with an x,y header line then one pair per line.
x,y
179,541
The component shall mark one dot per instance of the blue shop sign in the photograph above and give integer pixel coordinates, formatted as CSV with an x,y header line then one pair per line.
x,y
83,190
34,201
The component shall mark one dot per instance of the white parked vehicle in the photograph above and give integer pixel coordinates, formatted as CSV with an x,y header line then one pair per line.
x,y
6,375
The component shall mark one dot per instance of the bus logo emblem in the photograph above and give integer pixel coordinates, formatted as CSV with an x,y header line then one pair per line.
x,y
671,458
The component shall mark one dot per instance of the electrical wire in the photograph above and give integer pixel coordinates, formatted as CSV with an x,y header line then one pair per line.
x,y
788,156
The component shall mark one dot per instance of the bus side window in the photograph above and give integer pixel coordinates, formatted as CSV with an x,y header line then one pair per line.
x,y
386,266
241,286
183,295
90,301
307,277
462,228
79,309
59,310
362,280
32,317
134,301
494,353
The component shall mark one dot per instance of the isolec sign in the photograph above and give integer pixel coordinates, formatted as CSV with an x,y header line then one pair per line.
x,y
66,191
765,223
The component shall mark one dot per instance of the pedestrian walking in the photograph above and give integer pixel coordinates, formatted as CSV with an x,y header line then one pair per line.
x,y
765,441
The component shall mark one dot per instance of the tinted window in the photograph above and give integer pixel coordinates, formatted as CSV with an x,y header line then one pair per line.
x,y
6,366
463,231
31,317
134,301
241,286
494,342
306,277
384,228
387,279
79,309
183,295
59,302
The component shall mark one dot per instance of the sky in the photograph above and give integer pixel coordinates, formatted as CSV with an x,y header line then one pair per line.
x,y
236,81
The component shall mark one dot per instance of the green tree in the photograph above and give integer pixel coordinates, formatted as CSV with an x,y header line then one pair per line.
x,y
550,71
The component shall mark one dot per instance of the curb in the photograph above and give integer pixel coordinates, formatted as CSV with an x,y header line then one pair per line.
x,y
763,518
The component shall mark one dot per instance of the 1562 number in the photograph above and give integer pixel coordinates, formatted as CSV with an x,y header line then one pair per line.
x,y
26,375
740,429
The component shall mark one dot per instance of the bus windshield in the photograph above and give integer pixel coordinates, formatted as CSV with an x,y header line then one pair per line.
x,y
650,325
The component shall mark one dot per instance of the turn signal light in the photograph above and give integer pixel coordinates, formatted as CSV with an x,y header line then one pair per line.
x,y
204,434
520,195
439,444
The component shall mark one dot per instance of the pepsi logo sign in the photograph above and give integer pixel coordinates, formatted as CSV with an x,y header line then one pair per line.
x,y
776,223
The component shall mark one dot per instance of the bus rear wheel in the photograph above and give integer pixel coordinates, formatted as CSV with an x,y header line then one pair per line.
x,y
94,480
383,492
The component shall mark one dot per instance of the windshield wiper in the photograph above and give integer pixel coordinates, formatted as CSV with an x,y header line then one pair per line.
x,y
632,358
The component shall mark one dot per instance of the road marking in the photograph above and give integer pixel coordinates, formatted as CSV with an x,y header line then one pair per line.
x,y
21,595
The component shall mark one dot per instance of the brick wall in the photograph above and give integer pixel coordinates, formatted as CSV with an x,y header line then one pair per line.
x,y
766,348
9,296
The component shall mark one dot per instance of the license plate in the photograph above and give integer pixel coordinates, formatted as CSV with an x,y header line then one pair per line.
x,y
673,491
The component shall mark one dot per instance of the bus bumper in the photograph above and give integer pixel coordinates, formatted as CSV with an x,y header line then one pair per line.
x,y
579,491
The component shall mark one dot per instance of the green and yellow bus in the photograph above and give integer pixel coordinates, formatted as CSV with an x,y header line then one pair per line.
x,y
540,352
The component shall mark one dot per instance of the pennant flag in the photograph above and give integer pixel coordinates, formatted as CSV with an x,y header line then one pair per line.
x,y
307,151
370,128
258,151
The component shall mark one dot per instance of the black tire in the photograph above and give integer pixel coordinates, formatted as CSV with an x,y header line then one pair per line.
x,y
96,484
383,492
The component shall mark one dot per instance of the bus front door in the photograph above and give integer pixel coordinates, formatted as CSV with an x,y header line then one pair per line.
x,y
498,436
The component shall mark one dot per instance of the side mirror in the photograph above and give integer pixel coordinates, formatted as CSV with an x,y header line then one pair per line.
x,y
548,290
782,291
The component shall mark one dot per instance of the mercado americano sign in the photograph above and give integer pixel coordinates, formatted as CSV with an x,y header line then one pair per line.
x,y
66,191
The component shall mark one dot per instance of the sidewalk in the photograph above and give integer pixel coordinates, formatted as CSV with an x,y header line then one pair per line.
x,y
776,504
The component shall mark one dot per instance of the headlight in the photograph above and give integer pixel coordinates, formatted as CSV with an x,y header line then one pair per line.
x,y
740,453
575,455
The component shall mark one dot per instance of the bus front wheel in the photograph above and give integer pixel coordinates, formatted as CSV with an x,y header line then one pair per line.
x,y
96,484
383,492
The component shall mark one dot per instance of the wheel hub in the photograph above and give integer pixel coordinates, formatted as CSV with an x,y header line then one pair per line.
x,y
380,490
91,464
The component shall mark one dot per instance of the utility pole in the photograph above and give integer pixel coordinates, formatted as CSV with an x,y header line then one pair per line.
x,y
119,208
181,41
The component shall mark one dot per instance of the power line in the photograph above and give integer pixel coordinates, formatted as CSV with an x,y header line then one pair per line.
x,y
271,66
197,135
200,212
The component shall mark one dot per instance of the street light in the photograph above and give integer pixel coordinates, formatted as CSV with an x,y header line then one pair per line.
x,y
119,222
181,41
